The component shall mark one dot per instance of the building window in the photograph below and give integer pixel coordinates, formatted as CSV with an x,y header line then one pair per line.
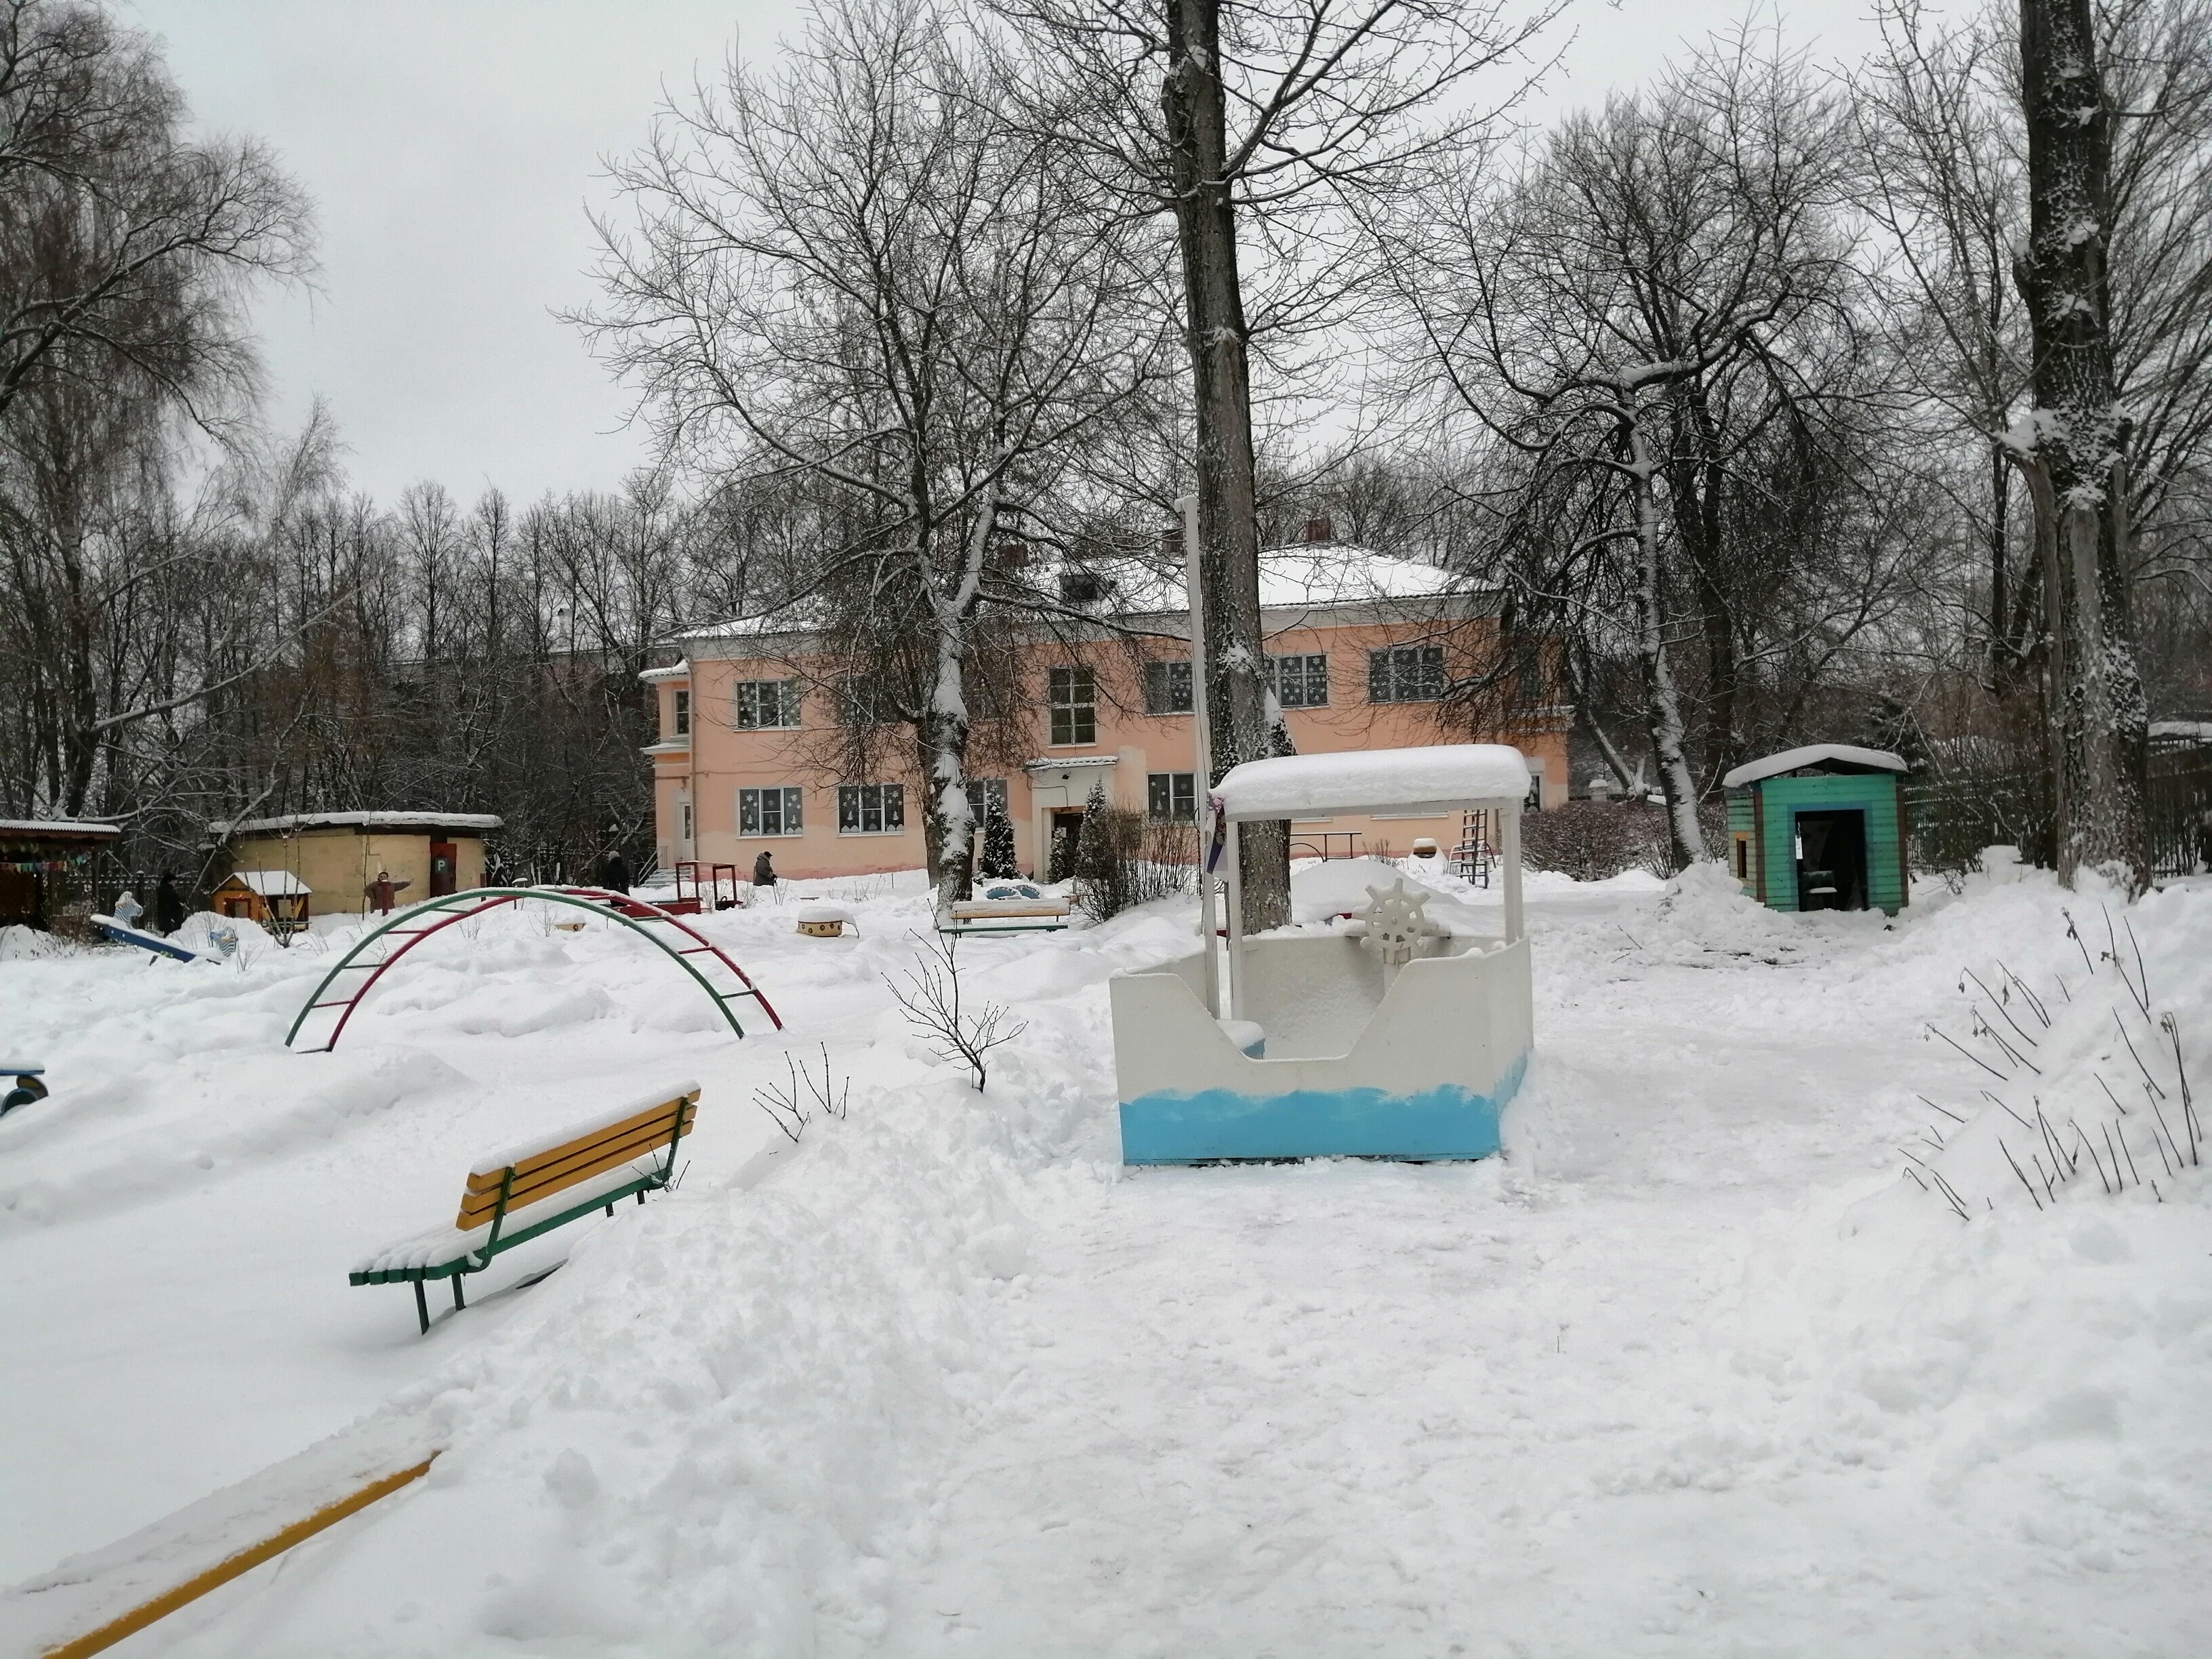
x,y
1405,673
1167,688
1171,796
1743,856
871,809
1073,695
1299,681
986,799
767,705
683,714
686,810
771,811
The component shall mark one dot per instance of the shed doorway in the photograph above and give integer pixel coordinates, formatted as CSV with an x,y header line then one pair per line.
x,y
442,860
1832,861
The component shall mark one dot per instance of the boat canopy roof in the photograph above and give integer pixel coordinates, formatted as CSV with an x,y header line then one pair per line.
x,y
1441,777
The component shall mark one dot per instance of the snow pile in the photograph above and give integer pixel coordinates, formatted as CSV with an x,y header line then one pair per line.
x,y
2086,1073
20,944
717,1427
1692,1371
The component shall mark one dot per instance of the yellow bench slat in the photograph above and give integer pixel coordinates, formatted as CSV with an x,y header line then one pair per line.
x,y
595,1158
662,1113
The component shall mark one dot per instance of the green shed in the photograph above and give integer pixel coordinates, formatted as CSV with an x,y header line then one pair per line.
x,y
1820,828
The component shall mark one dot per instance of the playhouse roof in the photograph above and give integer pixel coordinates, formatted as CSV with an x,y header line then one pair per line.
x,y
366,821
1835,756
270,884
1440,776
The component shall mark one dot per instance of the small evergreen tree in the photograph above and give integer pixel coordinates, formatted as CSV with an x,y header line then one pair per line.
x,y
999,847
1102,875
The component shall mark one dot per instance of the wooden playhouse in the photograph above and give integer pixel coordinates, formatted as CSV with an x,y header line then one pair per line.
x,y
275,899
1820,828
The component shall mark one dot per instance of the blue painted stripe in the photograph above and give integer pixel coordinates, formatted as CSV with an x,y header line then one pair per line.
x,y
1447,1121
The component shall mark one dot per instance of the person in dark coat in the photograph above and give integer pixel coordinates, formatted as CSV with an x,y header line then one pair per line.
x,y
381,892
764,870
168,905
614,873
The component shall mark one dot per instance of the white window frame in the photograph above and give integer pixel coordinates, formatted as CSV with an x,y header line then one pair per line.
x,y
1304,673
1425,673
1182,791
679,713
889,802
1080,677
786,698
1160,678
790,811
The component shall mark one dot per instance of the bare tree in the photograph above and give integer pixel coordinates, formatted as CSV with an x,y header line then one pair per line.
x,y
1251,124
854,270
1595,316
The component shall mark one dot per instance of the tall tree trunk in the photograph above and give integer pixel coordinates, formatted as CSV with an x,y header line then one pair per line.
x,y
1662,700
2099,723
1694,484
1221,377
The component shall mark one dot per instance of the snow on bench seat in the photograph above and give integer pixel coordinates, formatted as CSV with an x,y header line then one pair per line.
x,y
441,1245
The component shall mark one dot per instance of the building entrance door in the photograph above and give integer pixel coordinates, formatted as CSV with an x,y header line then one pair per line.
x,y
1067,830
442,868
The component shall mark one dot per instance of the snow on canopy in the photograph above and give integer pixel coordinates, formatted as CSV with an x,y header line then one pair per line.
x,y
272,884
56,827
1376,781
1814,754
367,821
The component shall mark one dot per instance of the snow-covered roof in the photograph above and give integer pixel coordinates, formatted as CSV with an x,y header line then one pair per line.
x,y
675,670
1848,756
272,884
292,821
1442,777
1308,576
56,827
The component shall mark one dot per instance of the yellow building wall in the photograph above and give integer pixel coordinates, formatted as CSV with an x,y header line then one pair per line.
x,y
338,863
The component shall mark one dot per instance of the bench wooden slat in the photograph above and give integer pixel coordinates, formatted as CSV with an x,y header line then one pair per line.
x,y
983,909
595,1158
661,1112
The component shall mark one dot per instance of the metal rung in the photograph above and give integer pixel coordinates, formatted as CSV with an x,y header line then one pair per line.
x,y
312,1006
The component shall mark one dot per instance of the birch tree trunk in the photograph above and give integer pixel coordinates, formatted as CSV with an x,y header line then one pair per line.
x,y
2076,469
1662,699
1193,101
951,826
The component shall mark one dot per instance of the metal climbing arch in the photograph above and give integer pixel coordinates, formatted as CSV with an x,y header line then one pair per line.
x,y
373,954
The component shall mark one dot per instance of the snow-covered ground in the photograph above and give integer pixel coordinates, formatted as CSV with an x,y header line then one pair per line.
x,y
1694,1368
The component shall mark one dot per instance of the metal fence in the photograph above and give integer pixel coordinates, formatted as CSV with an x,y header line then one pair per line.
x,y
1953,818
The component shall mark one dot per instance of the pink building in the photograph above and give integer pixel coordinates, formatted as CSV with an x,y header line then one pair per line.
x,y
1359,647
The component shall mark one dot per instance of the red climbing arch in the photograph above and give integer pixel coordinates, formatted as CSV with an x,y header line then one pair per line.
x,y
383,945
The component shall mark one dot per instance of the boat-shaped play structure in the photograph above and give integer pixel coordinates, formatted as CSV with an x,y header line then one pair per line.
x,y
1400,1031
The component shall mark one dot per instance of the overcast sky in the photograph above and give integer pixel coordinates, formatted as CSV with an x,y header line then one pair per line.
x,y
452,148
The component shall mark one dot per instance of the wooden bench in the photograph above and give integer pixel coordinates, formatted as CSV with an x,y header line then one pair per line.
x,y
524,1190
1037,915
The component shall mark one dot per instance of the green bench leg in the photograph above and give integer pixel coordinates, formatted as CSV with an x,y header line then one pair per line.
x,y
421,1308
458,1303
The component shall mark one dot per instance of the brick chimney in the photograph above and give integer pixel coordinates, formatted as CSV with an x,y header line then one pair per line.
x,y
1318,532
